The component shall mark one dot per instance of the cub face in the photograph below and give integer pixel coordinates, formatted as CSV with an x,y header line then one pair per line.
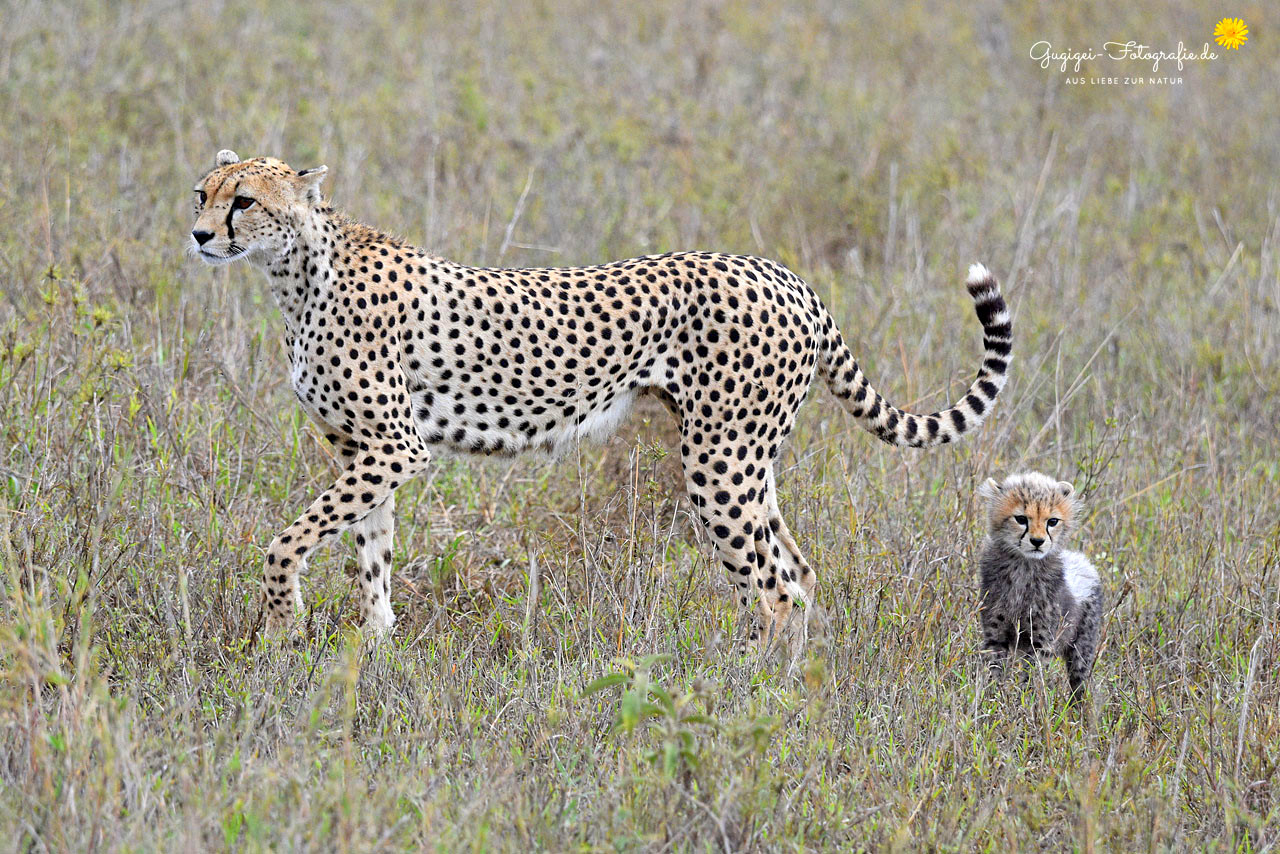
x,y
250,208
1030,513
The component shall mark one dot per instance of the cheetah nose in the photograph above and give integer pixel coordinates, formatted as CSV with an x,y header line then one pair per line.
x,y
1037,542
202,237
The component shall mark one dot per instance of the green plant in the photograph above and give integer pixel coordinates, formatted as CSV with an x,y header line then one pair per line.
x,y
672,720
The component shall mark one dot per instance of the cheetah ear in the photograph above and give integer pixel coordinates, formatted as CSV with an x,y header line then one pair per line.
x,y
1065,488
226,157
990,489
309,181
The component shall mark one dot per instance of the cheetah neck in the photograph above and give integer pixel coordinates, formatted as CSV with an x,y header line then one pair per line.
x,y
303,272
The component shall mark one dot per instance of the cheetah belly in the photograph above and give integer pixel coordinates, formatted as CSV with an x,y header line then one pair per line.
x,y
480,425
596,424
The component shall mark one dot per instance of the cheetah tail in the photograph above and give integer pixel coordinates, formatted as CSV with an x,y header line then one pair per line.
x,y
896,427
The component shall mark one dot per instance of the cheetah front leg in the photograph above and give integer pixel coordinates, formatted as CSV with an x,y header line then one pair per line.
x,y
997,654
374,536
996,643
1080,653
365,486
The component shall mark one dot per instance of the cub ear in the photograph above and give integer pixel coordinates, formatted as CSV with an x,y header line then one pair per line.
x,y
990,489
1065,489
309,181
226,157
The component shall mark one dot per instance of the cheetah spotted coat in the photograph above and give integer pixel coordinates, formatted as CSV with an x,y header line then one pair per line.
x,y
397,353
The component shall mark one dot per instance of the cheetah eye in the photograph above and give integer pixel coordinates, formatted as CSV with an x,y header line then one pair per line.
x,y
1021,520
1052,521
242,203
202,196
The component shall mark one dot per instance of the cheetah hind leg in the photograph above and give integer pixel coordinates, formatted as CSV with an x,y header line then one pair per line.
x,y
734,523
737,554
785,604
796,581
733,497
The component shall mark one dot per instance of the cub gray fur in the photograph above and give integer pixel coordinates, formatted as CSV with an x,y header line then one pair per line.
x,y
1038,598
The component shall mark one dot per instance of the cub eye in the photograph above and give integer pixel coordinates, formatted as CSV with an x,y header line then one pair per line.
x,y
202,196
1021,520
1052,521
242,203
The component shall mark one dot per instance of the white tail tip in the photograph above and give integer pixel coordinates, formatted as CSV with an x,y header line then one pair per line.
x,y
978,274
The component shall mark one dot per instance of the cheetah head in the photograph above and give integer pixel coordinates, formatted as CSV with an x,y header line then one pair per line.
x,y
251,208
1030,513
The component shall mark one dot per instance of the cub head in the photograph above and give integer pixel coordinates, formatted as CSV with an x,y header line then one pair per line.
x,y
251,208
1030,513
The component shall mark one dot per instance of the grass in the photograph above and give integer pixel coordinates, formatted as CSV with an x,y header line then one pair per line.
x,y
150,446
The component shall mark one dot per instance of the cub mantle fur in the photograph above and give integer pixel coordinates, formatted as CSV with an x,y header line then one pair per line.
x,y
396,352
1037,597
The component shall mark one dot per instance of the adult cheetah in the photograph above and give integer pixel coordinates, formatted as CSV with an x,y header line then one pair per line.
x,y
396,352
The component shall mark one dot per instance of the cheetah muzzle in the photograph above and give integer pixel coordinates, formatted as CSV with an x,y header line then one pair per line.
x,y
396,352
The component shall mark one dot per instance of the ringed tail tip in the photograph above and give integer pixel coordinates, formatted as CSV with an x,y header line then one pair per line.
x,y
898,427
978,275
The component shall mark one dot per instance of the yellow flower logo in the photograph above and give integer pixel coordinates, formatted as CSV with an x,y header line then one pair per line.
x,y
1231,33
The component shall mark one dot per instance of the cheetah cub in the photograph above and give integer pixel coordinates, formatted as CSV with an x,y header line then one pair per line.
x,y
1037,597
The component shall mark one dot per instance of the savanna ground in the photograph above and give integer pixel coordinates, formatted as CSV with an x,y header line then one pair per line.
x,y
152,447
